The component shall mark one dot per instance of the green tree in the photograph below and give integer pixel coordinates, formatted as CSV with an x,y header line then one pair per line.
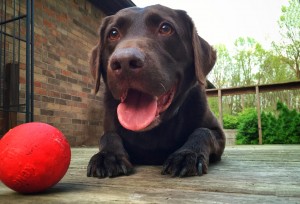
x,y
289,48
221,71
246,66
245,62
261,55
272,70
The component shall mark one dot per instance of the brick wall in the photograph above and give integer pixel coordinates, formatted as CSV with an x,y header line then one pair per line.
x,y
65,32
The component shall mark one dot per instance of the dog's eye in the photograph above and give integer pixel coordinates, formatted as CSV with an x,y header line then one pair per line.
x,y
113,34
166,29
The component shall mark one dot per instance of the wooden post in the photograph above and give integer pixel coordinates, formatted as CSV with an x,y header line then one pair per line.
x,y
243,102
220,107
258,115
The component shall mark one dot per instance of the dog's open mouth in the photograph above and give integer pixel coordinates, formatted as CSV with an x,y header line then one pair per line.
x,y
138,110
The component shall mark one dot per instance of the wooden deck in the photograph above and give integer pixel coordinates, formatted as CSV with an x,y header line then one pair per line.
x,y
247,174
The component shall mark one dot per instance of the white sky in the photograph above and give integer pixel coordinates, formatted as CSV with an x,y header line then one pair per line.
x,y
223,21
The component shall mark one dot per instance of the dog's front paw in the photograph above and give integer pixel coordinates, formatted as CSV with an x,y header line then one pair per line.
x,y
105,164
185,163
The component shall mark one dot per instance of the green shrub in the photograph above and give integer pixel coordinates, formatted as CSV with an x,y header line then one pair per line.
x,y
230,121
288,125
247,132
283,127
269,123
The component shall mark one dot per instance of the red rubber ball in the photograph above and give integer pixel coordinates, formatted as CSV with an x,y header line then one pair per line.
x,y
33,157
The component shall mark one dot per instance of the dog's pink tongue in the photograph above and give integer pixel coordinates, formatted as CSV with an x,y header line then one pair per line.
x,y
137,111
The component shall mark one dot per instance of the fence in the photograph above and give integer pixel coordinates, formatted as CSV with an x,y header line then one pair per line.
x,y
257,90
16,62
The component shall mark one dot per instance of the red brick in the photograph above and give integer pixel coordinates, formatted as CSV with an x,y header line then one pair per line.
x,y
66,72
37,84
48,23
40,91
48,11
62,18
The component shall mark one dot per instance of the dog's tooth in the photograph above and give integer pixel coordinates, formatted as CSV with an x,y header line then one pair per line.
x,y
124,96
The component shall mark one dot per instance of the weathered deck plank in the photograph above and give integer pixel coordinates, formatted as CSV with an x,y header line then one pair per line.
x,y
247,174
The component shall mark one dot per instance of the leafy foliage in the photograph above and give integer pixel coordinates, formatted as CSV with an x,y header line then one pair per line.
x,y
230,121
288,123
221,72
247,129
289,48
282,128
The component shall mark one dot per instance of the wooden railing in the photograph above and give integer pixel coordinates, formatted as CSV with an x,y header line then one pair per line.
x,y
257,89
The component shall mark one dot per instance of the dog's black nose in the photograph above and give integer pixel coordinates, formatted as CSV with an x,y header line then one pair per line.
x,y
127,59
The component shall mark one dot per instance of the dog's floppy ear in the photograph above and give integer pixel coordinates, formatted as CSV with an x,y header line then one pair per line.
x,y
95,56
94,65
204,56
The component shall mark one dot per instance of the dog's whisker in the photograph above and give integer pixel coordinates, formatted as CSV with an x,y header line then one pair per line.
x,y
165,90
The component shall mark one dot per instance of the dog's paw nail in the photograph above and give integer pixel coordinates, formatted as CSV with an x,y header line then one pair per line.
x,y
183,172
164,172
200,171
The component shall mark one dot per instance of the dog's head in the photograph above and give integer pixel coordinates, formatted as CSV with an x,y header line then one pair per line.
x,y
149,58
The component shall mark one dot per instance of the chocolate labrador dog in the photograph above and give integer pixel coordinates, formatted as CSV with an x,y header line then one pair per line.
x,y
154,66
